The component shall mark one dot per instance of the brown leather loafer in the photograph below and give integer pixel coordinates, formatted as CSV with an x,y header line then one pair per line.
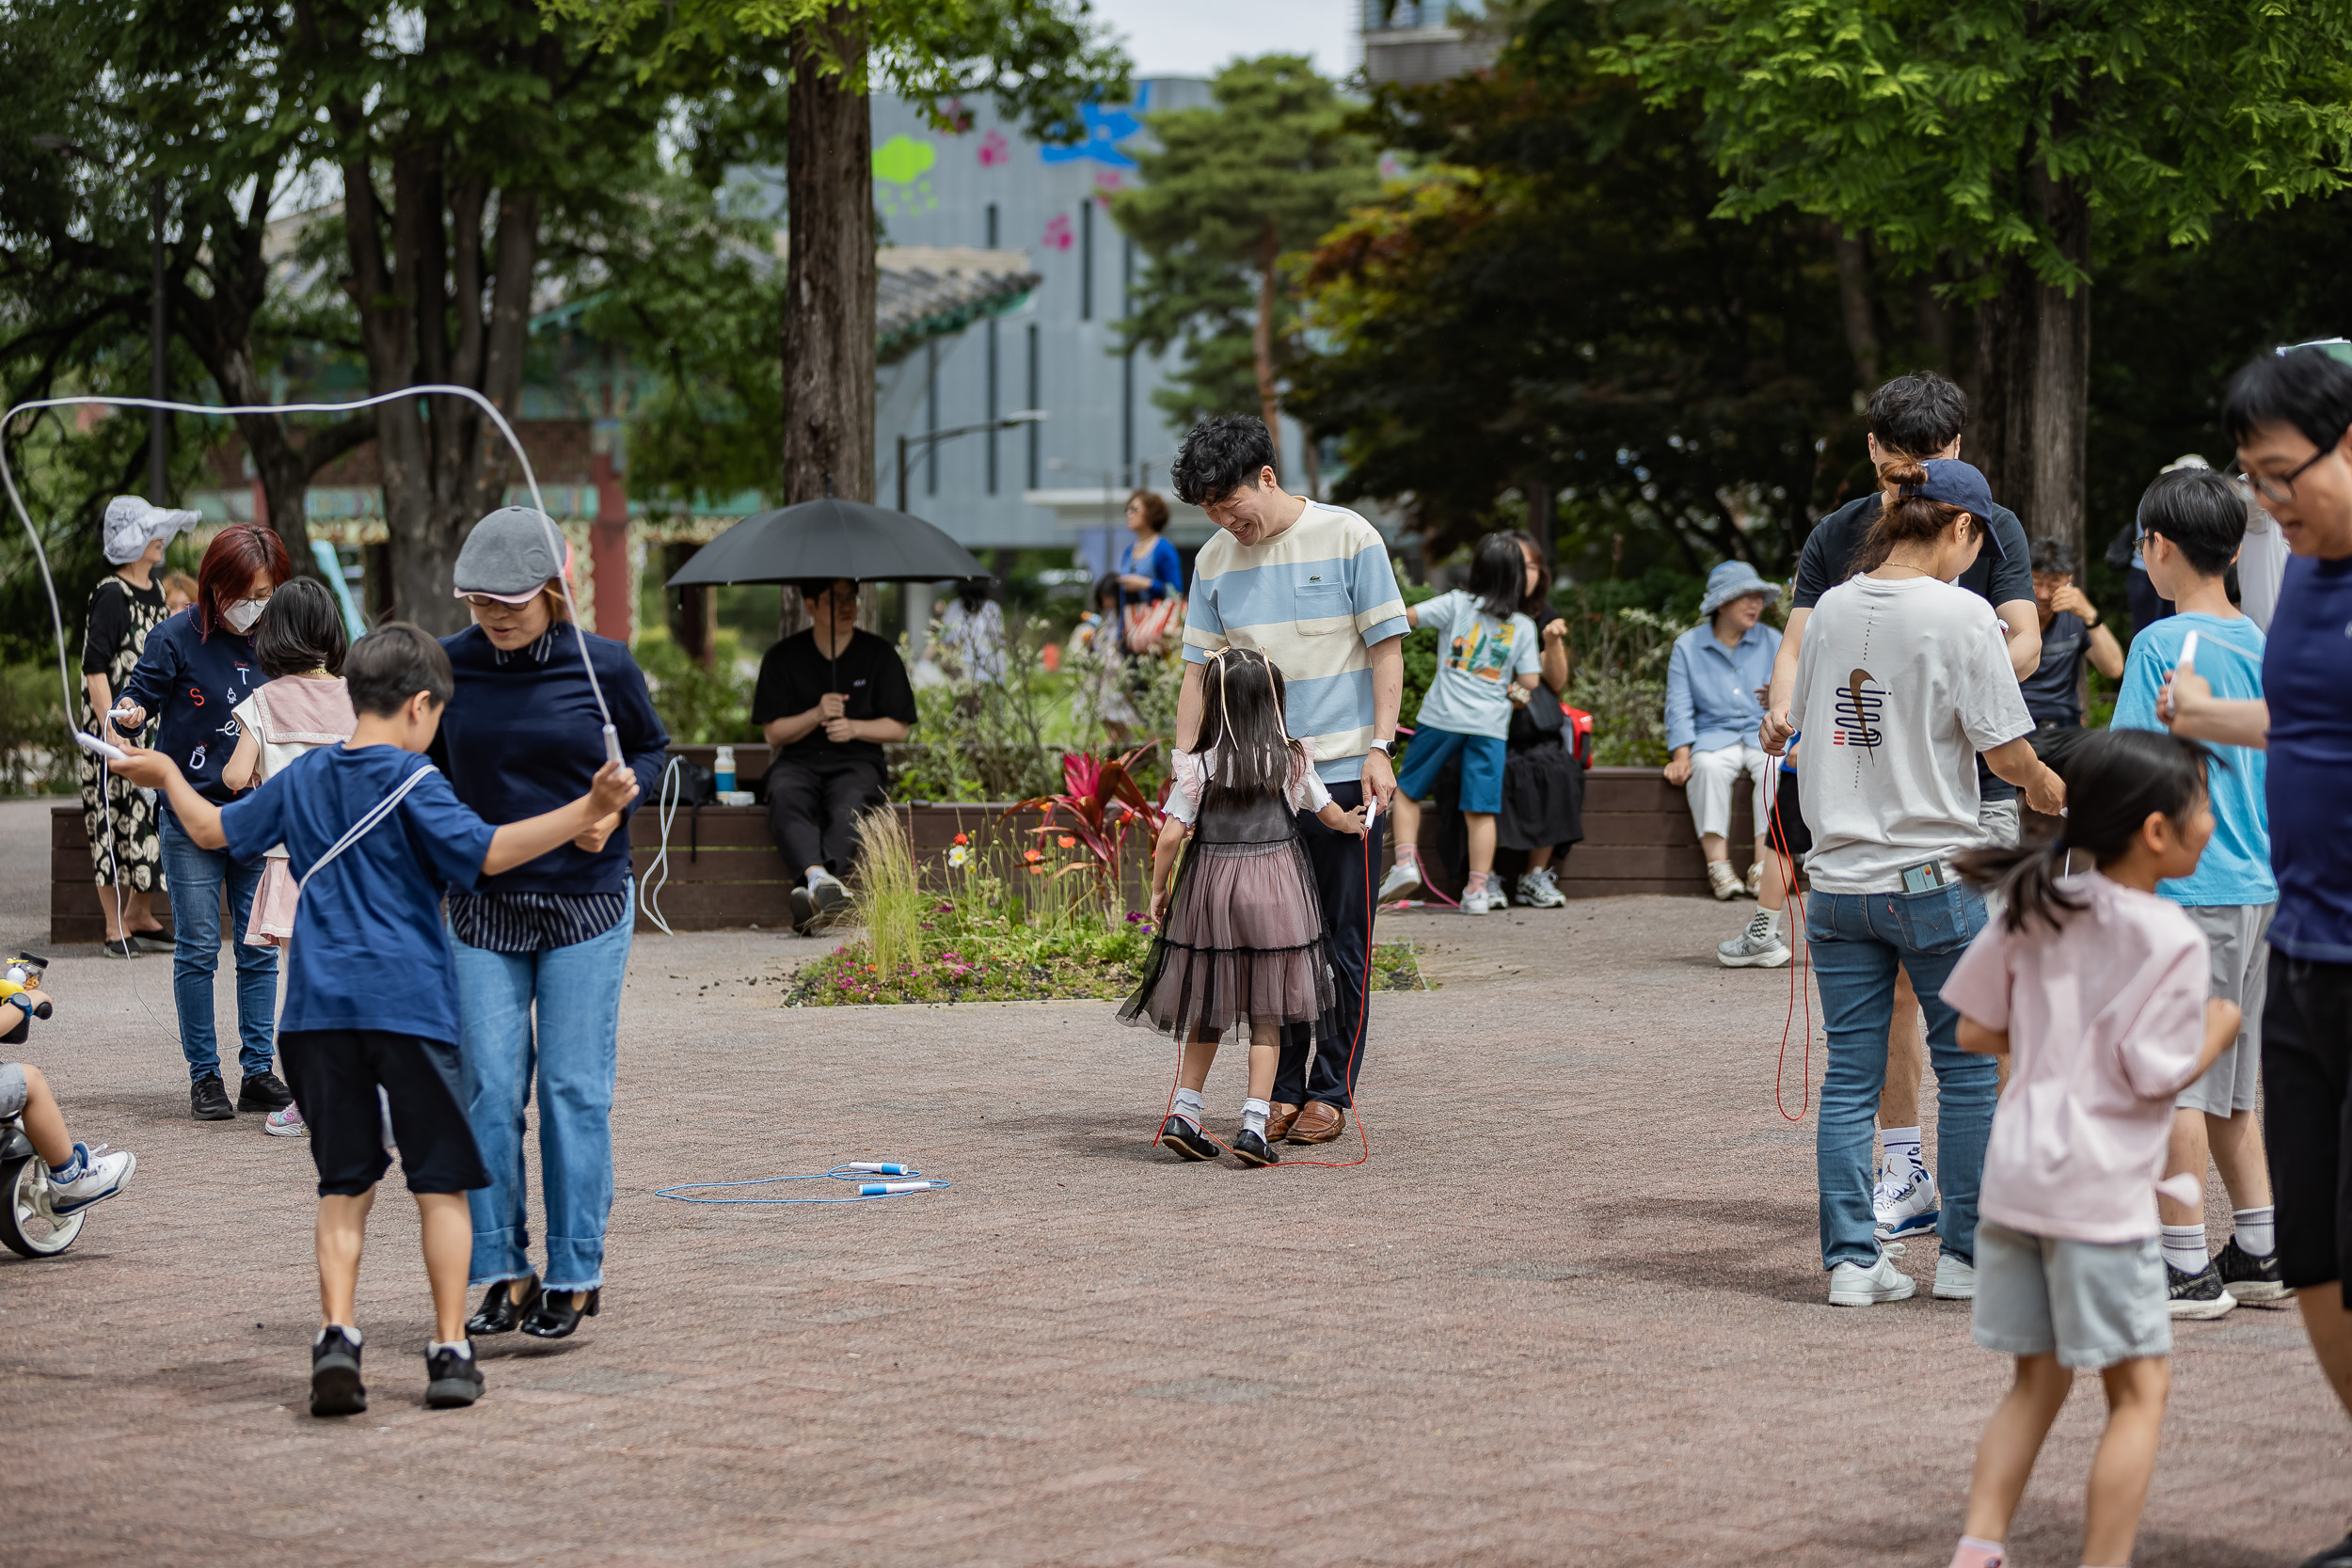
x,y
1318,1123
1277,1122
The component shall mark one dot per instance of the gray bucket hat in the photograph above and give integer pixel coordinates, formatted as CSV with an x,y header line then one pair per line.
x,y
132,523
1731,580
508,556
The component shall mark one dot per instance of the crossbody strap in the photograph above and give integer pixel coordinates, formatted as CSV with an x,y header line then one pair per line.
x,y
359,829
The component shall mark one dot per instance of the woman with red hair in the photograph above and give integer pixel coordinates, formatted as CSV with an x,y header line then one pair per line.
x,y
196,669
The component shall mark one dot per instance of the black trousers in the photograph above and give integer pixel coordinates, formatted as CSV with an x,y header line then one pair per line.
x,y
2306,1119
813,807
1344,866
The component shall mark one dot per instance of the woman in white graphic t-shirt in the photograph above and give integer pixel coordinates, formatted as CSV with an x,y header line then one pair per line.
x,y
1903,680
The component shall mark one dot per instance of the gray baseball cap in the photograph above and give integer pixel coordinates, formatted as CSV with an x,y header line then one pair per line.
x,y
509,557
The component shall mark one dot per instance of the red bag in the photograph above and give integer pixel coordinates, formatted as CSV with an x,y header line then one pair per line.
x,y
1153,626
1579,734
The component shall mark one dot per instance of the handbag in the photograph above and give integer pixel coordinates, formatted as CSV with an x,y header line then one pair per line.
x,y
1152,627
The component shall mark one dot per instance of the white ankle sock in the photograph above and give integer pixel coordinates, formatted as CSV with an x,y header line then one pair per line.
x,y
1977,1552
348,1332
463,1347
1190,1105
1901,1143
1253,1115
2257,1232
2185,1248
1766,923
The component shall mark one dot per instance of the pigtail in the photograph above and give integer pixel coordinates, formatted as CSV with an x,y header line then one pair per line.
x,y
2026,879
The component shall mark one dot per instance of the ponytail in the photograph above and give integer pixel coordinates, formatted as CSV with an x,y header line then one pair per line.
x,y
2115,781
1903,519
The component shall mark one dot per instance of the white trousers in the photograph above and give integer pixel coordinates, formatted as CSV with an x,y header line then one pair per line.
x,y
1715,774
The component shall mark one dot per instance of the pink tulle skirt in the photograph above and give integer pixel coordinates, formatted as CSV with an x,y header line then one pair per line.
x,y
272,921
1243,940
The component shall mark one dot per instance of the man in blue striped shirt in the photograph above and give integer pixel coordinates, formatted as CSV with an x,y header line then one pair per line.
x,y
1309,586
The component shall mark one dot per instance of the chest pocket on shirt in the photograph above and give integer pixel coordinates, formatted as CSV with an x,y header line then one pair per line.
x,y
1321,607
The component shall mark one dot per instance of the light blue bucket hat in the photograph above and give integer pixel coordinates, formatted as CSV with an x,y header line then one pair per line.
x,y
1731,580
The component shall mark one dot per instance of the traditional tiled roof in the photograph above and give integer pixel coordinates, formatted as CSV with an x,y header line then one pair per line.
x,y
934,290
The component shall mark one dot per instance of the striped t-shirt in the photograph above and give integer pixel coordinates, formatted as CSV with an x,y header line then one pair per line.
x,y
1314,598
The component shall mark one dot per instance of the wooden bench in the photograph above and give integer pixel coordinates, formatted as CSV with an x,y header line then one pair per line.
x,y
724,872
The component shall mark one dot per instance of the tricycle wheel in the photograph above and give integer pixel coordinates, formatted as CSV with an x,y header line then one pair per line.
x,y
28,1224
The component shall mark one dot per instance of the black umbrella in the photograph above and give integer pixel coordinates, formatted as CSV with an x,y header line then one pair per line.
x,y
829,540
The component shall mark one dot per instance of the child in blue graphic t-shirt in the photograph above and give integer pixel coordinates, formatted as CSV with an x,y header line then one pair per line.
x,y
1488,662
370,977
2192,521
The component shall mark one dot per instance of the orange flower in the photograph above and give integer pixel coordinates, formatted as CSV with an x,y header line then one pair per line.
x,y
1067,842
960,839
1033,855
1037,871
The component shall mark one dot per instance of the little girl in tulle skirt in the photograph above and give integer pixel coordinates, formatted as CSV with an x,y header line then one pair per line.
x,y
1240,931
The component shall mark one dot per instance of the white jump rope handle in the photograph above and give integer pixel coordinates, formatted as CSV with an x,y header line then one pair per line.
x,y
2188,654
611,744
869,1167
886,1189
92,744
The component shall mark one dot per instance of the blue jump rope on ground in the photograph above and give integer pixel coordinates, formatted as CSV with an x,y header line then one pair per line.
x,y
857,1171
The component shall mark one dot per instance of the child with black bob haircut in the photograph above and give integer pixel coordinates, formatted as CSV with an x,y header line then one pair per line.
x,y
370,993
2096,991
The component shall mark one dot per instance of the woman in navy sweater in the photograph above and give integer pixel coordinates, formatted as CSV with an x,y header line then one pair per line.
x,y
550,936
197,667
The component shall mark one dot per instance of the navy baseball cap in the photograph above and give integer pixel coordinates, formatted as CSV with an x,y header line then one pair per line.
x,y
1958,483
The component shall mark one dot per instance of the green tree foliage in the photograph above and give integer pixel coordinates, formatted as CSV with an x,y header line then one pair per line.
x,y
1553,311
1229,190
2030,144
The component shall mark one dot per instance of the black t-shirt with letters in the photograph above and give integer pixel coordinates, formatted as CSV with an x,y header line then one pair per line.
x,y
795,674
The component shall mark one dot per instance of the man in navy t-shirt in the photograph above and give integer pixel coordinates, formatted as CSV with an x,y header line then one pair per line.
x,y
377,836
2290,416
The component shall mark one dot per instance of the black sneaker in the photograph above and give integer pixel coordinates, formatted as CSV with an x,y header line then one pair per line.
x,y
2198,1294
2254,1281
1185,1141
208,1100
1251,1148
335,1386
263,1091
451,1381
2337,1556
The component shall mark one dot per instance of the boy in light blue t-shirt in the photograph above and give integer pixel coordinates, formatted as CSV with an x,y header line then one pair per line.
x,y
2192,522
1488,662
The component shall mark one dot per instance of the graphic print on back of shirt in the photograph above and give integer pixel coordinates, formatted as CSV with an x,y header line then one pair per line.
x,y
1861,706
1482,652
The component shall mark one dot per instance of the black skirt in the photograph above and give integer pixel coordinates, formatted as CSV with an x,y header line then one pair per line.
x,y
1543,796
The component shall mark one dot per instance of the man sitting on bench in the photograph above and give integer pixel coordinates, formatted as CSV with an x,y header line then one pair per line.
x,y
828,700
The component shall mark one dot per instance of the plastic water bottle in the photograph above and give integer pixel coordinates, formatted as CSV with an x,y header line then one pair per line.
x,y
723,770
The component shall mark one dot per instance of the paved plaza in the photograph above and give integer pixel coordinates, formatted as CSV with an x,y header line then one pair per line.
x,y
1571,1312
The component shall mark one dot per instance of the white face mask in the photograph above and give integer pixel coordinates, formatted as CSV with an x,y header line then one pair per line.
x,y
242,614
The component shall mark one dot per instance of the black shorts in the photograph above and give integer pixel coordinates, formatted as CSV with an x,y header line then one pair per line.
x,y
2307,1037
334,1075
1789,831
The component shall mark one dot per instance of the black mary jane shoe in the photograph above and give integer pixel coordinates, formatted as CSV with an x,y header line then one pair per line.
x,y
558,1313
504,1306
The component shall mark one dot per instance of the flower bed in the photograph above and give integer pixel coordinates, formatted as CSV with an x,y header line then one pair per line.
x,y
1102,966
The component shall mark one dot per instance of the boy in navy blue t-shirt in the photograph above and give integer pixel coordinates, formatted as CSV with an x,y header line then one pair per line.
x,y
369,986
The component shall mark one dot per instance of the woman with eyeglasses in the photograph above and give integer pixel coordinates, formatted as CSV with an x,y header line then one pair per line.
x,y
540,949
192,672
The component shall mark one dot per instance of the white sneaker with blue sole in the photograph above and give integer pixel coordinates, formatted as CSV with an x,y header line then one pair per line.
x,y
1905,1203
90,1176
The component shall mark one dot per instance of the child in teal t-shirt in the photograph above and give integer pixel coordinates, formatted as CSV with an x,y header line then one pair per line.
x,y
2192,523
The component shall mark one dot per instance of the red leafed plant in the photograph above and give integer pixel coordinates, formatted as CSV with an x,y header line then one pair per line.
x,y
1102,800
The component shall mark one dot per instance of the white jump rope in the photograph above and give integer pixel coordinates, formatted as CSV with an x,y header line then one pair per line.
x,y
105,752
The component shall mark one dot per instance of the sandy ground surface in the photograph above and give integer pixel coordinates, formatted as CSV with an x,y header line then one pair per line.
x,y
1571,1311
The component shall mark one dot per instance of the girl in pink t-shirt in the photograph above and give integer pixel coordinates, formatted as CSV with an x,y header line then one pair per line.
x,y
2096,991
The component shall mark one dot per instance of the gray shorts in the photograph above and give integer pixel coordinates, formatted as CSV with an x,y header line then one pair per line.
x,y
2092,1304
1999,822
13,1090
2241,973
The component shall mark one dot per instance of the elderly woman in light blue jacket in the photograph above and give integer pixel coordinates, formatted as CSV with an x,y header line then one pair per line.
x,y
1715,690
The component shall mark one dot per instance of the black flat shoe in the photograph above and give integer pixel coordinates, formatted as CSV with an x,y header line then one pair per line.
x,y
1251,1148
557,1316
504,1306
1185,1141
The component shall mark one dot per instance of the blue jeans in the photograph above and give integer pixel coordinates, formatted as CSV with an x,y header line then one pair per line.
x,y
574,1050
194,875
1858,939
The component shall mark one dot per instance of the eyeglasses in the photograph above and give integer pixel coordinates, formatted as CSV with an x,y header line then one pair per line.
x,y
2277,488
483,601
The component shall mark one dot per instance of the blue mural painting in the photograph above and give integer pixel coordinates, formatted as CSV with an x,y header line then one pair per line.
x,y
1104,130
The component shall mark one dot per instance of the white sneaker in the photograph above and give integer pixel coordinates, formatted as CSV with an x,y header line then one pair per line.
x,y
1755,878
1851,1285
1539,889
1402,879
1954,1279
1723,880
89,1178
1757,947
1482,899
1905,1203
